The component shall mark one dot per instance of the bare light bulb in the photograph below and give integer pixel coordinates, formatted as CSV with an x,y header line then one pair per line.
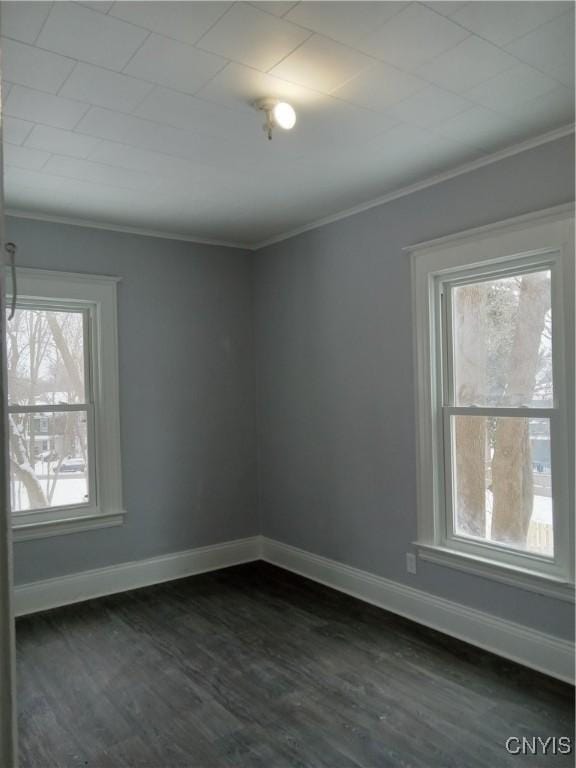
x,y
279,114
284,115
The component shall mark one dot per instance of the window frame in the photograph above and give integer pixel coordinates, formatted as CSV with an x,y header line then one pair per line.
x,y
95,296
540,240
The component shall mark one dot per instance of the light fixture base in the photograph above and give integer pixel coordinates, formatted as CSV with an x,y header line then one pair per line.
x,y
278,113
266,105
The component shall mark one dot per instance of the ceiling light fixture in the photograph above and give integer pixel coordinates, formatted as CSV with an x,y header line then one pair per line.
x,y
279,114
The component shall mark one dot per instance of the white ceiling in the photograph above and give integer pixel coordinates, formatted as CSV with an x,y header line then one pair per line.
x,y
138,114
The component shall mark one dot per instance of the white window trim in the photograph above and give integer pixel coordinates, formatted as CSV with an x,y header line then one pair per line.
x,y
96,294
536,235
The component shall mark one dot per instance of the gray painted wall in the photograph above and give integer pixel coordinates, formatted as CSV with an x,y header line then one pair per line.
x,y
186,394
334,388
337,467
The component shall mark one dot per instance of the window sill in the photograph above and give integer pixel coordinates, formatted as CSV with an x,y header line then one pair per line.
x,y
47,528
542,584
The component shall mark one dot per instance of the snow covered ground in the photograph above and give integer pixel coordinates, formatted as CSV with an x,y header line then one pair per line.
x,y
71,488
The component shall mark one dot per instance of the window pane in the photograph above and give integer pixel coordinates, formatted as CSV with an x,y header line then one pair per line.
x,y
502,484
45,350
502,341
48,459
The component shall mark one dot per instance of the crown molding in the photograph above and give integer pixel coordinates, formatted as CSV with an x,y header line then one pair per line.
x,y
19,214
431,181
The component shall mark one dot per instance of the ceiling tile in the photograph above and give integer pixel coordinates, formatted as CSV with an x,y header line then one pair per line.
x,y
447,7
15,130
331,122
406,154
346,22
547,112
23,20
278,8
429,107
379,87
412,37
75,199
170,63
120,198
84,170
194,114
22,157
24,198
501,22
106,124
506,91
415,158
105,88
239,87
463,67
43,108
180,110
184,21
172,141
253,37
26,65
17,178
134,159
322,64
97,5
194,160
549,48
481,128
60,142
144,134
118,203
443,156
87,35
402,149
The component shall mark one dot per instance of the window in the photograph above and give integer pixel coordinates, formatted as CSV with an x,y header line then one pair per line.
x,y
49,393
64,451
493,316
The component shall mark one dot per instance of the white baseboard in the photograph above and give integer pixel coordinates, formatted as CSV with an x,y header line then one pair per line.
x,y
526,646
51,593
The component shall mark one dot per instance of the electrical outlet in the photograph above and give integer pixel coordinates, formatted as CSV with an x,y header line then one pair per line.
x,y
410,562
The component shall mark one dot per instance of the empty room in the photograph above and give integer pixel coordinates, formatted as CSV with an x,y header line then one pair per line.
x,y
287,473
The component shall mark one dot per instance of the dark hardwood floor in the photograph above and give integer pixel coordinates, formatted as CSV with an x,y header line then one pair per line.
x,y
255,667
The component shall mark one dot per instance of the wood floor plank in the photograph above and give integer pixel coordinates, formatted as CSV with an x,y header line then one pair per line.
x,y
253,666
